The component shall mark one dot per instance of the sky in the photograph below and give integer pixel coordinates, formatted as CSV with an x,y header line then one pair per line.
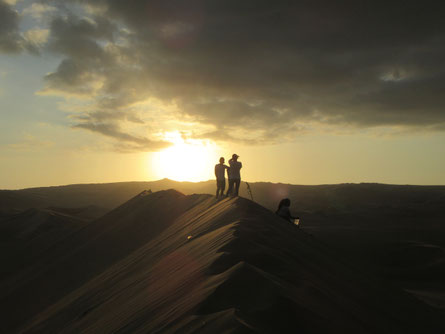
x,y
305,92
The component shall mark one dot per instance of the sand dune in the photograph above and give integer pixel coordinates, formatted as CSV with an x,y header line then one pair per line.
x,y
170,263
25,236
86,213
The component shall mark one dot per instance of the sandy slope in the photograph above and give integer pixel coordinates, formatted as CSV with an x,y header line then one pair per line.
x,y
170,263
27,235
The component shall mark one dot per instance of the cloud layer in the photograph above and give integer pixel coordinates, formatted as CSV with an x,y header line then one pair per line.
x,y
251,71
10,39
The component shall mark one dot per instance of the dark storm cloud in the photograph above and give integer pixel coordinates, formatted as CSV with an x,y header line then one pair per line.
x,y
262,67
85,68
10,39
78,40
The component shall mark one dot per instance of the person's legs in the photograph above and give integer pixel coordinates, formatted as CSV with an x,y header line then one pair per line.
x,y
220,186
218,189
237,184
229,191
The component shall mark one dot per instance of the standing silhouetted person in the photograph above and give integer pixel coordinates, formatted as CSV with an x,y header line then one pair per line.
x,y
234,175
284,212
220,171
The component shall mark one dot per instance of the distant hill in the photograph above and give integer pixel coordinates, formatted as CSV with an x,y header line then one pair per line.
x,y
326,198
106,195
169,263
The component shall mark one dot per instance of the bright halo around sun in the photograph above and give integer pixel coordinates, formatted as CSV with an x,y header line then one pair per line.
x,y
191,160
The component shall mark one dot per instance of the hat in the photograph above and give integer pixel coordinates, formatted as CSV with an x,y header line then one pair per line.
x,y
235,156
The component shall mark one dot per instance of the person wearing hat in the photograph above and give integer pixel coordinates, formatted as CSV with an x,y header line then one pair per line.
x,y
220,171
234,175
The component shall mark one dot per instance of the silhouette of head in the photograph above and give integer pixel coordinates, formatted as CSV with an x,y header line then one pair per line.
x,y
284,202
221,160
235,156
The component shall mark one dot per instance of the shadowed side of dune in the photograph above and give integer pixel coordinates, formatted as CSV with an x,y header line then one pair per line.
x,y
227,267
67,265
25,236
263,300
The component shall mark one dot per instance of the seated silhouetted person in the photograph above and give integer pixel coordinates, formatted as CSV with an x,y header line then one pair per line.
x,y
284,212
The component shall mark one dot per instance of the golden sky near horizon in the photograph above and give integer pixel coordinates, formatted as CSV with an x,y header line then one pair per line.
x,y
305,93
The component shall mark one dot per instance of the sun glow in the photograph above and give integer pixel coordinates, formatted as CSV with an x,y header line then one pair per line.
x,y
186,160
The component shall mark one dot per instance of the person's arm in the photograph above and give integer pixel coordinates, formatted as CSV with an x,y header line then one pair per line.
x,y
216,168
240,165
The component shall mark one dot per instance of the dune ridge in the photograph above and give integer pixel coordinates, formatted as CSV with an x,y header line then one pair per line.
x,y
170,263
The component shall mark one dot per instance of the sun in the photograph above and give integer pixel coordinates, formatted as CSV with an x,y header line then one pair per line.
x,y
191,160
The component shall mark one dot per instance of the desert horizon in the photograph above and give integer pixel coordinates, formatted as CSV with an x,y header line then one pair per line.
x,y
212,180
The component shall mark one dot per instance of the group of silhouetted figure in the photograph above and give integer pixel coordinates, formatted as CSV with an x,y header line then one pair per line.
x,y
233,175
234,179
